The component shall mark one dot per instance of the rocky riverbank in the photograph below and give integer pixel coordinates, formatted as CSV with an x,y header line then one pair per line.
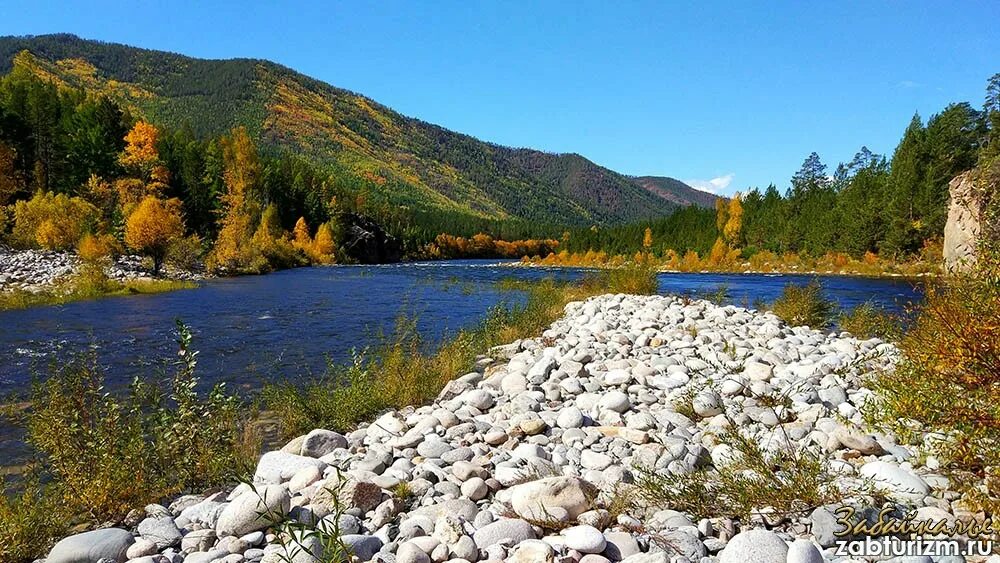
x,y
35,270
532,456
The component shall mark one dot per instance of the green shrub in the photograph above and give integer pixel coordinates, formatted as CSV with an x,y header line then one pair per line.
x,y
718,295
868,320
804,305
634,278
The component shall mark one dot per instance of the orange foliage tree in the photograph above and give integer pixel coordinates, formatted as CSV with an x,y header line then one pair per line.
x,y
153,225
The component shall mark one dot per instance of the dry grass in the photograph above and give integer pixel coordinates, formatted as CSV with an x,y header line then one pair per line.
x,y
785,482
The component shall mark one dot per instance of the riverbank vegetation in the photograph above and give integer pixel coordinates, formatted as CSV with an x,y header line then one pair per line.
x,y
101,455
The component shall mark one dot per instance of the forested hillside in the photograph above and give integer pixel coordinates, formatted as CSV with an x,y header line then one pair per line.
x,y
676,191
393,161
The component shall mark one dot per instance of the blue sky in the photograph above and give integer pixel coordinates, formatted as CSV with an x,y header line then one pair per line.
x,y
722,95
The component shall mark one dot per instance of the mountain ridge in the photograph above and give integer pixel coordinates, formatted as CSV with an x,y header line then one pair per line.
x,y
411,163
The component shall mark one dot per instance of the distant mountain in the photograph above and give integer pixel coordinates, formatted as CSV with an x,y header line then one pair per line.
x,y
416,164
675,191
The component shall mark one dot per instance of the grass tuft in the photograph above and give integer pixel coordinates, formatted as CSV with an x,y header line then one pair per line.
x,y
784,481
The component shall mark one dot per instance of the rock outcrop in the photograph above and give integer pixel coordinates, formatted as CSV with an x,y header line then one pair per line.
x,y
367,242
962,231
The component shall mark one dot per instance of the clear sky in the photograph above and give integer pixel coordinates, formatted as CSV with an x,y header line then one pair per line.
x,y
721,94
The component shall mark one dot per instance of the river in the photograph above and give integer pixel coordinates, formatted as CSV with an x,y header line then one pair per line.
x,y
288,324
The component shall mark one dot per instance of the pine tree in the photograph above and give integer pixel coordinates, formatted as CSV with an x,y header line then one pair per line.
x,y
906,175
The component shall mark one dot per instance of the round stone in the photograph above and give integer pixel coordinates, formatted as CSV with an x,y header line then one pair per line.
x,y
585,539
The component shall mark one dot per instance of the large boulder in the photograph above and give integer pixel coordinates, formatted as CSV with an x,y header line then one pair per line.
x,y
254,510
320,442
895,480
90,547
162,531
560,499
347,493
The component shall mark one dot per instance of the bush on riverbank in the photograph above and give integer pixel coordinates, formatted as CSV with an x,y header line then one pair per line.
x,y
801,305
30,519
788,481
949,382
101,455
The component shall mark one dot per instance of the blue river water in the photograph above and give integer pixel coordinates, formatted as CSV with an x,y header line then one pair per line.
x,y
289,324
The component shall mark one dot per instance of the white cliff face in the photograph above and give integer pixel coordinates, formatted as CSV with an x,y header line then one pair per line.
x,y
522,459
962,231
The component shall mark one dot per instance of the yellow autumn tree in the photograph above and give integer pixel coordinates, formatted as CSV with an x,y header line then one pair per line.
x,y
734,222
140,148
300,234
147,174
324,246
241,175
647,239
718,253
96,248
721,213
153,226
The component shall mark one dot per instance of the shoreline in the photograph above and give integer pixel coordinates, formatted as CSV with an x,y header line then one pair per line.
x,y
546,439
749,272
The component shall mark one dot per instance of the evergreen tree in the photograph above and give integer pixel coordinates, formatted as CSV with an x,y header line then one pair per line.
x,y
906,176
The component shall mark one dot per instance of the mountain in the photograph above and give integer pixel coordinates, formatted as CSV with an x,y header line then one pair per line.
x,y
676,191
412,163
